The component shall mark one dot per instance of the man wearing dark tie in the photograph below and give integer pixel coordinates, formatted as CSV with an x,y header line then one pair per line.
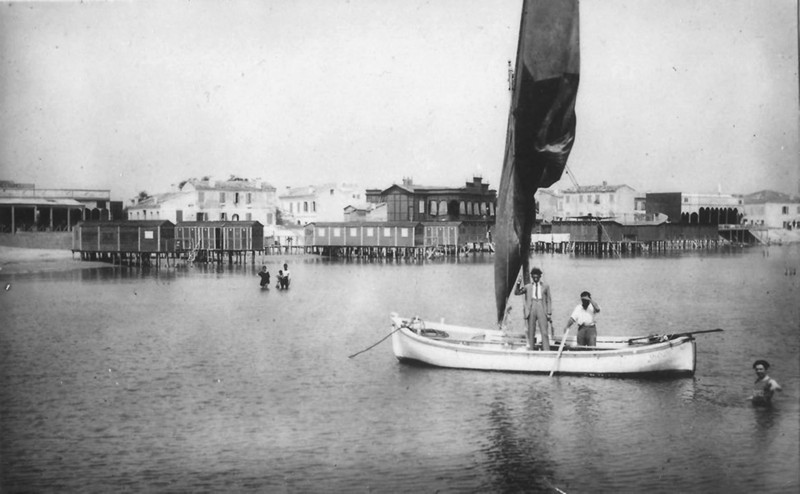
x,y
538,308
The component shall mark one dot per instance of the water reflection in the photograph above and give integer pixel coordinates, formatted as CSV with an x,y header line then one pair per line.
x,y
518,439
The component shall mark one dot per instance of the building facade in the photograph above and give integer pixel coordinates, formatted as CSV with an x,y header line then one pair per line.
x,y
366,212
692,208
408,202
24,207
315,203
212,200
605,201
549,205
772,210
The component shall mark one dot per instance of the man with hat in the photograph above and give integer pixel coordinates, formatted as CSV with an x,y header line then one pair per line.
x,y
537,308
584,315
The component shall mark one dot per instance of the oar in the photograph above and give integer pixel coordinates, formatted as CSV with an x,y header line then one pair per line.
x,y
560,349
672,336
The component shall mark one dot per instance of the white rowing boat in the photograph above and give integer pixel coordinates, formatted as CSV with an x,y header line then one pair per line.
x,y
461,347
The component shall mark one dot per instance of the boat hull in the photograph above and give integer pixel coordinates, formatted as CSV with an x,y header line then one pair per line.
x,y
461,347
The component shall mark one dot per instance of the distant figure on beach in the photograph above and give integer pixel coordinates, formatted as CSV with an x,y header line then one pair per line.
x,y
584,316
765,386
537,308
264,274
285,275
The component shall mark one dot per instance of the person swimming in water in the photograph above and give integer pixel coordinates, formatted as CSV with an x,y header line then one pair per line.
x,y
764,387
264,274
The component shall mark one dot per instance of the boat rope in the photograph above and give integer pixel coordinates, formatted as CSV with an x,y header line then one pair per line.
x,y
377,343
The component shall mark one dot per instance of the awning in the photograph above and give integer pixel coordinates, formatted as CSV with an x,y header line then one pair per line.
x,y
41,202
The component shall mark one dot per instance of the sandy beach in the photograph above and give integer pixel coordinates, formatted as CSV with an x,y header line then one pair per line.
x,y
15,260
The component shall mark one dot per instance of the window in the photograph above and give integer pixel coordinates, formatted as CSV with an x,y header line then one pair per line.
x,y
353,231
370,232
785,210
314,206
611,198
201,197
236,198
269,218
249,198
222,198
462,208
223,216
337,232
404,232
331,191
305,206
422,207
387,232
248,216
321,231
432,206
580,198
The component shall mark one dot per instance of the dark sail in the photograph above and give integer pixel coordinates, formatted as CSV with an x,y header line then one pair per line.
x,y
541,130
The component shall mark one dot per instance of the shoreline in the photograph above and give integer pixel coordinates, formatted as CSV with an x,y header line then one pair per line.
x,y
16,260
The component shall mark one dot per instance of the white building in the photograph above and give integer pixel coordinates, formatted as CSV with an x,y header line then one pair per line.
x,y
315,203
366,212
551,205
212,200
606,201
772,210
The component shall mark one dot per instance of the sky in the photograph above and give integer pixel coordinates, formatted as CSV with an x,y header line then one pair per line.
x,y
675,95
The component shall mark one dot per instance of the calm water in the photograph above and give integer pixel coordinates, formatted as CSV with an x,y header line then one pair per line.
x,y
194,379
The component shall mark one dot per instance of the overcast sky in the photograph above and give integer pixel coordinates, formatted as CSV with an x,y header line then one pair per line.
x,y
675,95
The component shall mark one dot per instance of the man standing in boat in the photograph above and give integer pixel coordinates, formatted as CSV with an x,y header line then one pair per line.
x,y
584,315
537,308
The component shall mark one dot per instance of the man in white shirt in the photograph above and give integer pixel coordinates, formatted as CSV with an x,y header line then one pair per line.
x,y
538,308
584,315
